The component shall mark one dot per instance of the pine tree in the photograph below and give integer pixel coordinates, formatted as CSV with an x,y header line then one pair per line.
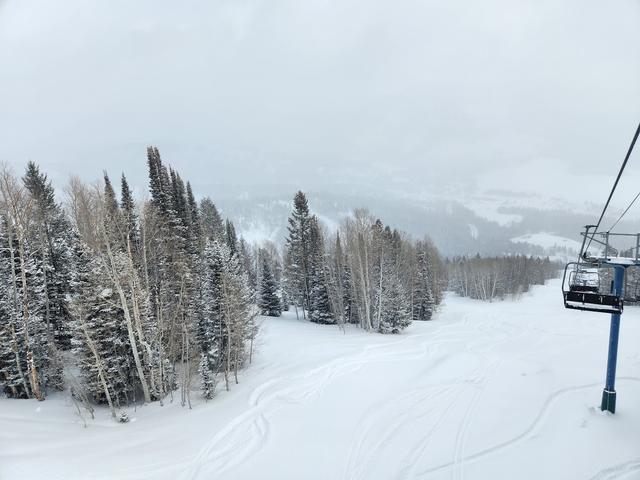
x,y
49,239
319,302
131,226
248,266
269,303
31,365
392,307
231,237
13,365
101,343
348,301
423,300
212,329
396,313
195,221
225,321
298,248
157,181
211,221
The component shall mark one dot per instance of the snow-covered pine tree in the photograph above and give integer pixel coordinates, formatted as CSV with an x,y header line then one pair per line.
x,y
392,307
49,237
36,356
348,302
212,224
13,364
231,237
423,300
212,329
28,292
248,265
239,315
269,303
130,217
396,310
117,261
101,343
319,301
225,320
298,248
195,220
172,269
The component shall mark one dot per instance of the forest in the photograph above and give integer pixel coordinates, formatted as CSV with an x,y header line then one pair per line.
x,y
124,302
489,278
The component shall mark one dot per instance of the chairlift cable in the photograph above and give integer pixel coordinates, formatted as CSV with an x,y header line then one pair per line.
x,y
625,212
615,185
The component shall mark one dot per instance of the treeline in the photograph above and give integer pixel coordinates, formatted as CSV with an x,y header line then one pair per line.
x,y
125,302
140,297
366,274
488,278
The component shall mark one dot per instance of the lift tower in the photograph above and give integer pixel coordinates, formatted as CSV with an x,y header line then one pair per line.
x,y
584,289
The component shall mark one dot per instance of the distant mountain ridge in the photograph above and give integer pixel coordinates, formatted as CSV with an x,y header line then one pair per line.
x,y
490,223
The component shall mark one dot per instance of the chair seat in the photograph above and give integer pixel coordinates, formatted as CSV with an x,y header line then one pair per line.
x,y
593,302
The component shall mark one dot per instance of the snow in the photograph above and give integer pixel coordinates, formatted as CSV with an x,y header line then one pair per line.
x,y
549,241
488,390
557,248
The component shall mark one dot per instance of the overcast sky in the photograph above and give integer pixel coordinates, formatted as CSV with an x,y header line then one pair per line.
x,y
536,95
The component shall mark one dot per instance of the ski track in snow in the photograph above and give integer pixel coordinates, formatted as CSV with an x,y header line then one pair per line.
x,y
245,435
528,432
362,452
619,471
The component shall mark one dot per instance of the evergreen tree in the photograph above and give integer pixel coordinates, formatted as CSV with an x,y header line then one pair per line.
x,y
396,313
13,364
29,362
49,239
225,322
423,300
101,343
392,308
348,301
319,302
269,303
297,268
194,216
157,181
211,221
231,237
248,266
212,329
131,226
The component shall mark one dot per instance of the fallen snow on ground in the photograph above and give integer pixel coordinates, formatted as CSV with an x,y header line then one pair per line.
x,y
557,248
549,241
502,390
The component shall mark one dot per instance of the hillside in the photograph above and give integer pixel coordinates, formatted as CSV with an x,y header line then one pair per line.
x,y
487,390
460,222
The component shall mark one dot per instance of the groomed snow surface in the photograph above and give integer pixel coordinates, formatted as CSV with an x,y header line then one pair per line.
x,y
504,390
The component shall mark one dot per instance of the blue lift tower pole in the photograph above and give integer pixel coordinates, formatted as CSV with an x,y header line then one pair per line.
x,y
609,394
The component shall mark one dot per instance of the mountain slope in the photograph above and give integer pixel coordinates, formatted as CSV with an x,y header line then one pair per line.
x,y
487,390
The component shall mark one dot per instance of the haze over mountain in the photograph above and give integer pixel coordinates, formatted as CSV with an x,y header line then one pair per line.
x,y
416,109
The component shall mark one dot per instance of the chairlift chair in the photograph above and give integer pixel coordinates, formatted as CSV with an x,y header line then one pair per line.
x,y
581,290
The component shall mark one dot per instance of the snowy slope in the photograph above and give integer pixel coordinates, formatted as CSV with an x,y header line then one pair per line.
x,y
502,390
556,247
548,241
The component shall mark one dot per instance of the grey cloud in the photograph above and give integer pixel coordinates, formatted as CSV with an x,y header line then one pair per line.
x,y
249,92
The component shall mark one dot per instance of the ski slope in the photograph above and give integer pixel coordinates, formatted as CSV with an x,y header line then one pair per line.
x,y
503,390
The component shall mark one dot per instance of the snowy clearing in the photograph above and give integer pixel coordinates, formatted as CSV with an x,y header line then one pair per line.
x,y
501,390
548,241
